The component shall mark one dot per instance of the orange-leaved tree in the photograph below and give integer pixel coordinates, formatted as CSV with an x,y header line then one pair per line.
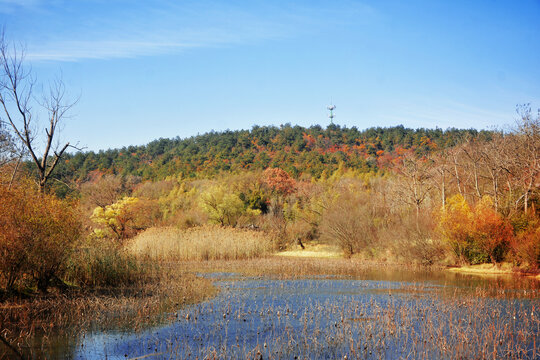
x,y
490,231
525,247
37,233
476,235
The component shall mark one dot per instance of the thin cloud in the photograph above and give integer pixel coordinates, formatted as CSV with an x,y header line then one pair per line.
x,y
9,6
165,27
77,50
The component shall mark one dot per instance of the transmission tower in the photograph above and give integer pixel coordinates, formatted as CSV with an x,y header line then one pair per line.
x,y
331,116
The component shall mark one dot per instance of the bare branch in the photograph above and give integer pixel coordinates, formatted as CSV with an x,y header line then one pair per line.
x,y
17,109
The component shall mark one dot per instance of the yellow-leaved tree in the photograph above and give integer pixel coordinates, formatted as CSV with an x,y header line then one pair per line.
x,y
224,207
124,218
455,225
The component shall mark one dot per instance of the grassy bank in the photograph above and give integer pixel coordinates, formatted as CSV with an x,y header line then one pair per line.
x,y
313,249
485,269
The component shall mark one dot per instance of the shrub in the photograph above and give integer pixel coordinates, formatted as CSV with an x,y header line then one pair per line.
x,y
127,216
491,232
455,226
476,236
224,207
37,233
350,222
525,247
414,240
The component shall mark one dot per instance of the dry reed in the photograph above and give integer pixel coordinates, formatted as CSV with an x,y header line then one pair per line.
x,y
204,243
25,323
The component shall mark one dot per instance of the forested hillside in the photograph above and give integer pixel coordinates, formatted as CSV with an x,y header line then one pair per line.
x,y
296,149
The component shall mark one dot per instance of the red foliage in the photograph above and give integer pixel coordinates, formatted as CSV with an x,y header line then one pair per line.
x,y
279,181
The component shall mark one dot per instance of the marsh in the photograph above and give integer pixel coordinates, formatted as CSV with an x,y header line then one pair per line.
x,y
373,314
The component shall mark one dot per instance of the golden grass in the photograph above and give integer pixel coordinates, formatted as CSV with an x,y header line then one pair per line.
x,y
485,269
313,249
202,243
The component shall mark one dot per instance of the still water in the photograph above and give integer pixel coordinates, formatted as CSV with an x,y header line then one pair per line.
x,y
386,316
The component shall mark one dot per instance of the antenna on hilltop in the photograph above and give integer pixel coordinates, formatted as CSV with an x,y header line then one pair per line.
x,y
331,107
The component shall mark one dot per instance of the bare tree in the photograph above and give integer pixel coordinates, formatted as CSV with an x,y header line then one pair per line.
x,y
441,173
496,159
455,154
473,161
415,184
527,170
18,108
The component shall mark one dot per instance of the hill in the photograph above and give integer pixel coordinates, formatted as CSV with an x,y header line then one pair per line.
x,y
296,149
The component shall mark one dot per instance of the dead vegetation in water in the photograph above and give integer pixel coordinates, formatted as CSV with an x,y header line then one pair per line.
x,y
301,267
372,321
133,308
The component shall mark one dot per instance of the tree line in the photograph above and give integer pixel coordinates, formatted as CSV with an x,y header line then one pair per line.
x,y
298,150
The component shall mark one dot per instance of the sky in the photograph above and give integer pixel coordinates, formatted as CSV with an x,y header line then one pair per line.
x,y
143,70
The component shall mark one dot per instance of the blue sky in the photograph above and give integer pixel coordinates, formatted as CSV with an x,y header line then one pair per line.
x,y
149,69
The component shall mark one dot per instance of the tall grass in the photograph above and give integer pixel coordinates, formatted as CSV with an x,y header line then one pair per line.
x,y
203,243
103,263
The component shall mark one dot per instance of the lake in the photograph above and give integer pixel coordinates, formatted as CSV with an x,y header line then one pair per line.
x,y
378,315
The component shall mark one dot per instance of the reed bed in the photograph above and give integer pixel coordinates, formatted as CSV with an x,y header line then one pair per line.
x,y
31,324
202,243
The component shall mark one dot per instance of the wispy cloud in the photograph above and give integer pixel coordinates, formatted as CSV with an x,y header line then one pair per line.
x,y
9,6
117,29
77,50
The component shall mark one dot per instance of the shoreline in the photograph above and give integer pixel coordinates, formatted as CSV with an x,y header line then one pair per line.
x,y
503,269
